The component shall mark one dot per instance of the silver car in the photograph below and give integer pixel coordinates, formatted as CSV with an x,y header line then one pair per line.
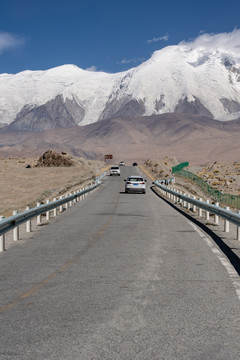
x,y
135,183
115,170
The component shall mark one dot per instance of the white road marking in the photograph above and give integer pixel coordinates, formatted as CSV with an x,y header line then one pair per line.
x,y
225,262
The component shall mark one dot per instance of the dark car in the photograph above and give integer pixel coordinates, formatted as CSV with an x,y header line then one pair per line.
x,y
134,164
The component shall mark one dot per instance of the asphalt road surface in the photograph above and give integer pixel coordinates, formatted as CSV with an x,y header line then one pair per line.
x,y
118,276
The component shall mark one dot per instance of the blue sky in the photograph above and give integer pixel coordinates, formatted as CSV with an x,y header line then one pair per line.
x,y
104,35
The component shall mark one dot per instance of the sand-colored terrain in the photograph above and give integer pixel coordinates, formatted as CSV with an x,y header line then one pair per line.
x,y
223,176
21,186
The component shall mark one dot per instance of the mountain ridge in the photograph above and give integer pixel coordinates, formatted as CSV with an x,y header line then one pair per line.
x,y
191,138
177,79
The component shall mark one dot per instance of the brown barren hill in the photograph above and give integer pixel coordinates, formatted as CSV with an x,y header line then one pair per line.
x,y
193,138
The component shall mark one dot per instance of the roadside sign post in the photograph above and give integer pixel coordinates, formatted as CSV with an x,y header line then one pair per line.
x,y
108,157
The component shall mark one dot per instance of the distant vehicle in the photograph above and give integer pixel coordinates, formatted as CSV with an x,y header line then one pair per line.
x,y
134,164
115,170
122,163
135,183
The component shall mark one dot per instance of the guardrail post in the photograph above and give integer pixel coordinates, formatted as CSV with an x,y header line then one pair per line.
x,y
67,203
39,216
28,223
199,209
55,209
74,200
238,229
70,202
61,207
16,229
207,212
226,222
174,199
216,218
189,204
180,200
2,239
184,201
48,212
194,206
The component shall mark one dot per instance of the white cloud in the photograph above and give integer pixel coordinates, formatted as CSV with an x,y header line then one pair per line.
x,y
222,41
92,68
8,41
161,38
130,61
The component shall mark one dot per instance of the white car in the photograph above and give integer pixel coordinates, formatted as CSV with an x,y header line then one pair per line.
x,y
135,183
115,170
122,163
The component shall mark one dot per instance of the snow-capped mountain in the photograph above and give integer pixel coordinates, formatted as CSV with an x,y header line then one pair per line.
x,y
176,79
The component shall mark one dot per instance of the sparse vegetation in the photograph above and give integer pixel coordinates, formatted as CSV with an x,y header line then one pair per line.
x,y
214,183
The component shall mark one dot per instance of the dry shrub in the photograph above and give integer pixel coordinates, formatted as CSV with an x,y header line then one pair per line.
x,y
216,183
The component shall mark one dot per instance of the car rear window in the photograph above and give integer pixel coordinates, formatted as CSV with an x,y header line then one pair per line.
x,y
135,179
115,167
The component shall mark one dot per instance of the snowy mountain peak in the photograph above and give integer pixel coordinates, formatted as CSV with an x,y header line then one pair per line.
x,y
187,78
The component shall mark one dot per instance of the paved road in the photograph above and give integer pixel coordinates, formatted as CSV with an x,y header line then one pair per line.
x,y
119,276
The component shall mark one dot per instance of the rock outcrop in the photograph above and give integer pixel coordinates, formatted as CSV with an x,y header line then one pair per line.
x,y
52,158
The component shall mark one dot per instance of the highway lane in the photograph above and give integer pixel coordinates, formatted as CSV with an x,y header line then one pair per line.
x,y
119,276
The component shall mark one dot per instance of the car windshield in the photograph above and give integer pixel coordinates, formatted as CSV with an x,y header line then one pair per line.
x,y
135,179
115,167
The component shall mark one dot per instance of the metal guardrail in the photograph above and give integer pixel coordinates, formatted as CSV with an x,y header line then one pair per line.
x,y
16,220
99,178
226,214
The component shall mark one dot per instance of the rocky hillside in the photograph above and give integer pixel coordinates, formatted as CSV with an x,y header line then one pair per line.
x,y
196,139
